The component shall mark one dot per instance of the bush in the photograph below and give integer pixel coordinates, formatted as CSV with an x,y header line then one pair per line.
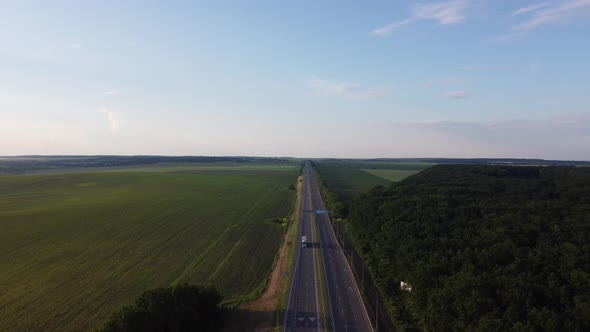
x,y
176,308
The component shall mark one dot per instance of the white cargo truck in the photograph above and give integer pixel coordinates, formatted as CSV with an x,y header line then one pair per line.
x,y
304,241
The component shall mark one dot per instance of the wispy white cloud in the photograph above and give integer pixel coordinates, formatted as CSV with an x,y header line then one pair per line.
x,y
112,93
113,118
390,28
321,87
531,8
446,12
458,94
553,13
75,45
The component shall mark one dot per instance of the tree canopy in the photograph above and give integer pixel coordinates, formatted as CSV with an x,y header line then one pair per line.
x,y
483,247
177,308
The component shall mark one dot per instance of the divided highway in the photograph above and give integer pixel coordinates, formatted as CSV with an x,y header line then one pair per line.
x,y
302,309
345,307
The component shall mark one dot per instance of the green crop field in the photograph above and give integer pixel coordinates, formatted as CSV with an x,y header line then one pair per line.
x,y
347,182
76,246
348,178
392,175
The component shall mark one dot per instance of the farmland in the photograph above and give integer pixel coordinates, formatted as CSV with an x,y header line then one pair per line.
x,y
75,246
77,164
348,178
392,175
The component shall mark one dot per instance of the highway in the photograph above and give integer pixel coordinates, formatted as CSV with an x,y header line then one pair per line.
x,y
302,309
345,308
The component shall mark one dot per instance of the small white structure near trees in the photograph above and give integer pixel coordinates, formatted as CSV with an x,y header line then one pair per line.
x,y
405,286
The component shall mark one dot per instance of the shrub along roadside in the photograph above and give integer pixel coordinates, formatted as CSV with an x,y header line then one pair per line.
x,y
175,308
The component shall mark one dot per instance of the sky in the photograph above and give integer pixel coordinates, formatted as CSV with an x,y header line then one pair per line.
x,y
345,79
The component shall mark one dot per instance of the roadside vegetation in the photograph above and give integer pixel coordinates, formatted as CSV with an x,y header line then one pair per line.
x,y
291,244
266,313
322,279
348,178
492,248
341,180
175,308
76,246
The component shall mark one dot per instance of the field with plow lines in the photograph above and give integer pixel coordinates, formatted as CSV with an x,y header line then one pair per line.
x,y
74,247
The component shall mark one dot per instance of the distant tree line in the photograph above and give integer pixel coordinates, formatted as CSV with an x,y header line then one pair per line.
x,y
506,161
26,164
477,161
492,248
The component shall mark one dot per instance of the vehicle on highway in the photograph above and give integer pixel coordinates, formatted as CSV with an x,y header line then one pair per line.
x,y
304,241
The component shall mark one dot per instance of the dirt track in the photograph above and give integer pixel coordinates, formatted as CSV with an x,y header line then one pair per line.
x,y
260,314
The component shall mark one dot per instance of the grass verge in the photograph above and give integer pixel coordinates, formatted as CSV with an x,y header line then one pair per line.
x,y
290,241
321,275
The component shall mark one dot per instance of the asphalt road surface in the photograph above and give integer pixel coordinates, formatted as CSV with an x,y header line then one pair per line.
x,y
345,307
302,309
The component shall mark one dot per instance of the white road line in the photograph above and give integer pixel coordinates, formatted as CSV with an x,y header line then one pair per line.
x,y
332,236
319,229
316,285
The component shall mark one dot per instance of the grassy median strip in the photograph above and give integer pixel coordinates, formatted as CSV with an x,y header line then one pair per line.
x,y
321,274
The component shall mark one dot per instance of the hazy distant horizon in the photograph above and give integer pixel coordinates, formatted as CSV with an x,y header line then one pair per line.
x,y
457,78
281,157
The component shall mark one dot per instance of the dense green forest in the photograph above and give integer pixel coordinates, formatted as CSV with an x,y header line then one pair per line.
x,y
489,248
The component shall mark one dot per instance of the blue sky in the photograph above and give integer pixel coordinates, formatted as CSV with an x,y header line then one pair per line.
x,y
461,78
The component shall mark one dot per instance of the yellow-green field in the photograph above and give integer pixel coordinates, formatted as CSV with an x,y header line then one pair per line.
x,y
76,246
